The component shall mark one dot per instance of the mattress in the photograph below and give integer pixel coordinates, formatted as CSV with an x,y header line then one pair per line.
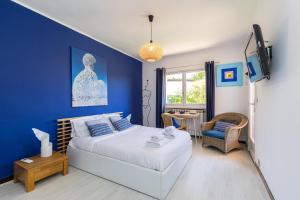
x,y
130,146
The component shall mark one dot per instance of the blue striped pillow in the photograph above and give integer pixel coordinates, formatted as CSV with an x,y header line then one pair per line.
x,y
122,124
221,126
99,129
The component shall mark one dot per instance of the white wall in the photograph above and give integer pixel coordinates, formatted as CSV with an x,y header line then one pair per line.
x,y
233,99
277,132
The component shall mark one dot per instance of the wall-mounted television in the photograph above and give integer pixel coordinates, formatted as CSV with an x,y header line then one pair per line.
x,y
257,56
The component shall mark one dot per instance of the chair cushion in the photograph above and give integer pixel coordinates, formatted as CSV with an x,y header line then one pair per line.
x,y
221,126
175,123
214,134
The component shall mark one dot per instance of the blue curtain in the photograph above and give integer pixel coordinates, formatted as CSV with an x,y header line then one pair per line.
x,y
160,95
210,89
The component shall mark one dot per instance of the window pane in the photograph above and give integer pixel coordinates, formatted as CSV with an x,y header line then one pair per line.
x,y
195,88
174,88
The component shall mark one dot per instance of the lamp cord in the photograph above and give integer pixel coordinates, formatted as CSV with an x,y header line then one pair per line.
x,y
151,33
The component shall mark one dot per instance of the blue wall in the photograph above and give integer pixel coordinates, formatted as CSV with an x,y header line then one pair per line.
x,y
35,80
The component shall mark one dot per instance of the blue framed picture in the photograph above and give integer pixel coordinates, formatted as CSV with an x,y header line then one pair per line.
x,y
89,79
230,74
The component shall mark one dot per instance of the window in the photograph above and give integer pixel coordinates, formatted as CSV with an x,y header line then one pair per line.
x,y
174,89
186,89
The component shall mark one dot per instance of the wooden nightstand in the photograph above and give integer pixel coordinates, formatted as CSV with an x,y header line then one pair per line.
x,y
40,168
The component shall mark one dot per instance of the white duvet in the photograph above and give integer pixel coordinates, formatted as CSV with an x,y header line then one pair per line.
x,y
130,146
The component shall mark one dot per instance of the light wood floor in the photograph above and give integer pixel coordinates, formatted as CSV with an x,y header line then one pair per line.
x,y
209,175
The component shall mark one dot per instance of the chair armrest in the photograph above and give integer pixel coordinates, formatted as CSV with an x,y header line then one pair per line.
x,y
232,134
207,125
237,127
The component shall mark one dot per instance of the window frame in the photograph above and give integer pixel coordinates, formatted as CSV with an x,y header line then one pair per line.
x,y
184,104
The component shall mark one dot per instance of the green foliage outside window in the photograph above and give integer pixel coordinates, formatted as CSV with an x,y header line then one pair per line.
x,y
174,99
196,93
199,76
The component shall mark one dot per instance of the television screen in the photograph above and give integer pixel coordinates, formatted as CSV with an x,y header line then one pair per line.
x,y
254,69
257,56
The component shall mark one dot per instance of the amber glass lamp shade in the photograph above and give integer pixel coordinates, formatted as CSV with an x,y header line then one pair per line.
x,y
151,52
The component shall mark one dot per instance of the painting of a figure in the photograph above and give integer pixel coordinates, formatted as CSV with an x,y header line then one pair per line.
x,y
89,79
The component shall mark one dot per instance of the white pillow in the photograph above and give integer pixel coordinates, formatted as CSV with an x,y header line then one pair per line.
x,y
79,128
129,117
115,118
72,129
110,115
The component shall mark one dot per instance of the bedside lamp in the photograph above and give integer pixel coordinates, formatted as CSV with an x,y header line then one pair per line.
x,y
46,145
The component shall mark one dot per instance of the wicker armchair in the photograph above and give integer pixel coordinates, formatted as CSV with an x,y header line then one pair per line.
x,y
231,135
167,119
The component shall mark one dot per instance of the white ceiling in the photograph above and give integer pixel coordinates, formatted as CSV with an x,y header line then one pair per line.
x,y
179,26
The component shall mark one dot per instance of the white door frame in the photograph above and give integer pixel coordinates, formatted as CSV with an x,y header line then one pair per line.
x,y
252,107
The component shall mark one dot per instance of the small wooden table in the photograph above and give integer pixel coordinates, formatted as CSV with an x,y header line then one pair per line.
x,y
189,116
29,173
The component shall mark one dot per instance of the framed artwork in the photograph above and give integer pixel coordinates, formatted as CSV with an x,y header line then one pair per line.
x,y
89,79
230,74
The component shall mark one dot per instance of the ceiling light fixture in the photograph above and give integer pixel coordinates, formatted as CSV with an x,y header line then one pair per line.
x,y
151,51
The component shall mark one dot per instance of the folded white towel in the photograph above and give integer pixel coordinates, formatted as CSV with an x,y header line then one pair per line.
x,y
169,135
159,144
157,138
169,129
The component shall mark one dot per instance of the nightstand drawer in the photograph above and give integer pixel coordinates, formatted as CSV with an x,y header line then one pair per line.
x,y
45,171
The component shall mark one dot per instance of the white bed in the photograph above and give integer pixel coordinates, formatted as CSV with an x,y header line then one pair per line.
x,y
124,158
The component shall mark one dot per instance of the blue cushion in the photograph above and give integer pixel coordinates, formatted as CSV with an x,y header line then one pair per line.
x,y
214,134
174,122
122,124
99,129
221,126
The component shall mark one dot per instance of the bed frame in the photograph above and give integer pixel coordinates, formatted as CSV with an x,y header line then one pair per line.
x,y
151,182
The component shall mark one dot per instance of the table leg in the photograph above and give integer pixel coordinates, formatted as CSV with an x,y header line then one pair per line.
x,y
66,167
195,130
29,181
16,173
